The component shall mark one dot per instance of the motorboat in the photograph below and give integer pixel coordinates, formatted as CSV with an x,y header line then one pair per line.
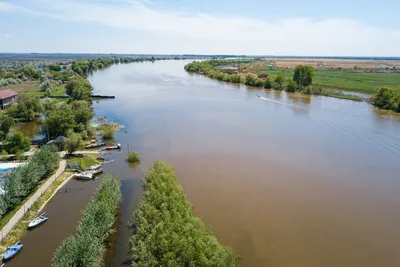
x,y
39,220
12,251
84,176
94,167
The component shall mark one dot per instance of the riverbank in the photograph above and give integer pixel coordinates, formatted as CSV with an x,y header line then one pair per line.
x,y
357,84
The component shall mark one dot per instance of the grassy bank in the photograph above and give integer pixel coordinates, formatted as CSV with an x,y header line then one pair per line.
x,y
346,80
22,225
167,233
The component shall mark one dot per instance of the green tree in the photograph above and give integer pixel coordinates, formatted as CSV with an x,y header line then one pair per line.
x,y
279,80
303,76
79,88
60,120
27,108
291,86
396,103
383,98
16,142
54,67
268,83
5,125
249,80
73,143
82,111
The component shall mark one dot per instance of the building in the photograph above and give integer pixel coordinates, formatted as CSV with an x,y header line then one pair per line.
x,y
7,98
59,142
262,75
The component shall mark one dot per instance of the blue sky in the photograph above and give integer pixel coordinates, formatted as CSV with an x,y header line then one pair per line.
x,y
304,28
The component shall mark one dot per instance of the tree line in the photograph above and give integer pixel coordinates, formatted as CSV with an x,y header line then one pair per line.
x,y
301,80
23,180
167,233
88,245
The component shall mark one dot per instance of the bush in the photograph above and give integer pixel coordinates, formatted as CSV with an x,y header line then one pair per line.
x,y
383,98
133,157
16,142
108,132
268,83
167,233
88,245
291,86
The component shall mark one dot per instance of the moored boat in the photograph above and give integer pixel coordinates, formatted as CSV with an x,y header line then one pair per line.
x,y
94,167
12,251
39,220
84,176
118,146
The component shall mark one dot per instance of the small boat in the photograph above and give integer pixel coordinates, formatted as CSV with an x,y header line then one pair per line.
x,y
94,167
118,146
84,176
12,251
39,220
96,172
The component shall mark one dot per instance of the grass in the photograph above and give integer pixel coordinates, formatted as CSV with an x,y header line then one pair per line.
x,y
31,87
21,227
363,82
86,161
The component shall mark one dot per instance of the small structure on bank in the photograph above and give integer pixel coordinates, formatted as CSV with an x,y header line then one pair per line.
x,y
7,98
262,75
59,142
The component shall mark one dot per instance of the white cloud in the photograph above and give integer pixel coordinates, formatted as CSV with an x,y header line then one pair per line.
x,y
207,33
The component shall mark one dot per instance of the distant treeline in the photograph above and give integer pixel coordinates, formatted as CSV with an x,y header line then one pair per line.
x,y
87,66
87,247
167,233
24,179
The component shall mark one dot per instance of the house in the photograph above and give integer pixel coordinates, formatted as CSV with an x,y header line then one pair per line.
x,y
262,75
59,141
7,98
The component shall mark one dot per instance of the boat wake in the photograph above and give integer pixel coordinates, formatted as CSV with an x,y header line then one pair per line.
x,y
383,142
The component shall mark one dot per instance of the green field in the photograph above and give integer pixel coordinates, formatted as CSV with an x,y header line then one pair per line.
x,y
348,81
32,88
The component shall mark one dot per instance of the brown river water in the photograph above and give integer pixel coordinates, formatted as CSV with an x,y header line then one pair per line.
x,y
287,181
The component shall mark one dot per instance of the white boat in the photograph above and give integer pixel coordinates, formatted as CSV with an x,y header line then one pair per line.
x,y
84,176
39,220
94,167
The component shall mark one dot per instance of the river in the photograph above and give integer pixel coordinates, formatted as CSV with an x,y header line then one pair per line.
x,y
286,180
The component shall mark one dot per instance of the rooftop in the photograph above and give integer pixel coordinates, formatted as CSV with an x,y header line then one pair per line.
x,y
7,93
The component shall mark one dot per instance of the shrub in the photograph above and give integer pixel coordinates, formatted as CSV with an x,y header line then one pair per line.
x,y
133,157
108,132
16,142
268,83
88,245
383,98
167,233
291,86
